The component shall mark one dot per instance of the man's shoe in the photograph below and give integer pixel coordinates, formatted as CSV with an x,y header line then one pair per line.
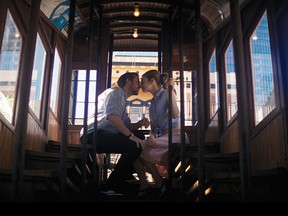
x,y
163,188
111,193
133,181
143,193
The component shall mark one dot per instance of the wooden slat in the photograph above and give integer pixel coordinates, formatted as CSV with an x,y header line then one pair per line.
x,y
33,173
56,145
51,155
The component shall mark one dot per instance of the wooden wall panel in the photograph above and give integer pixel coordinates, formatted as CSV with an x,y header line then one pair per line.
x,y
74,134
192,134
229,139
54,131
53,128
6,146
212,132
267,148
36,137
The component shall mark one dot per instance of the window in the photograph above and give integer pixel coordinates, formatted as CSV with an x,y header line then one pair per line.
x,y
214,85
37,78
263,82
231,91
138,109
9,66
55,82
187,95
78,95
142,62
138,106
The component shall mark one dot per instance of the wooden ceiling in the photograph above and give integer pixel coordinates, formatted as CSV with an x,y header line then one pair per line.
x,y
151,22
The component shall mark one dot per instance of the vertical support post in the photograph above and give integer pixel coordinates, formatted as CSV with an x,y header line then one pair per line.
x,y
23,99
200,103
182,117
95,173
160,51
170,171
87,83
66,98
242,97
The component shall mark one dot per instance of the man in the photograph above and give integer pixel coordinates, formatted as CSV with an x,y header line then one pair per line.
x,y
114,128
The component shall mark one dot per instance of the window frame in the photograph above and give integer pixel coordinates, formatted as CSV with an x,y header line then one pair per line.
x,y
246,40
42,120
19,23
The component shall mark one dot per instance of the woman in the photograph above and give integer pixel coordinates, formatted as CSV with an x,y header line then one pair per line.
x,y
155,148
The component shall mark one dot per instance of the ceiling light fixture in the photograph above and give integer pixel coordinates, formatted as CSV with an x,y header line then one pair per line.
x,y
135,34
136,10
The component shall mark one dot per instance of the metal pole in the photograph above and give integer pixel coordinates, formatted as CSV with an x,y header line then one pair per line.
x,y
95,173
84,142
200,103
66,98
170,171
182,117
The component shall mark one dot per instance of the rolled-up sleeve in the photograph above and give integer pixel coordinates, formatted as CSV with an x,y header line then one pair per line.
x,y
115,104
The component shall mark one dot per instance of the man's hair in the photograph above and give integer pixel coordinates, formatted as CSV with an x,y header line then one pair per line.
x,y
129,75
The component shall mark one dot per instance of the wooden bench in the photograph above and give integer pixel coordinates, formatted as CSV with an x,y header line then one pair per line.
x,y
54,146
34,181
43,161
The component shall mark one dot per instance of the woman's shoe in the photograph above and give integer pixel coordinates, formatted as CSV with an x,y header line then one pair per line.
x,y
163,188
142,193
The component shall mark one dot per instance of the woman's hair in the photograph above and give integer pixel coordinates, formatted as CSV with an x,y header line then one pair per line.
x,y
157,76
122,79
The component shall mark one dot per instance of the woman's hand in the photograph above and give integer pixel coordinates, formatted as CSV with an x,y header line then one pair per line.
x,y
148,143
144,122
171,82
136,140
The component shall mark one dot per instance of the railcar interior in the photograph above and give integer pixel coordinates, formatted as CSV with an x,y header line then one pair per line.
x,y
228,61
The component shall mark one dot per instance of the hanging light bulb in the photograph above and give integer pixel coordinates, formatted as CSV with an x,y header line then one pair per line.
x,y
135,34
136,10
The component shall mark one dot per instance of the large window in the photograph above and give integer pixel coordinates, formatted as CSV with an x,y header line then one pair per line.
x,y
140,62
137,105
231,90
78,95
55,82
188,92
9,66
214,85
36,90
263,82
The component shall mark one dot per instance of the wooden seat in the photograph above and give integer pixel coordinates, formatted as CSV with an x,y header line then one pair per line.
x,y
54,146
34,181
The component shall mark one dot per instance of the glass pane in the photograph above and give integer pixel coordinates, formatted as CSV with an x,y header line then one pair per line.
x,y
80,79
92,91
263,82
9,63
81,91
231,91
55,82
187,94
214,85
37,78
79,110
